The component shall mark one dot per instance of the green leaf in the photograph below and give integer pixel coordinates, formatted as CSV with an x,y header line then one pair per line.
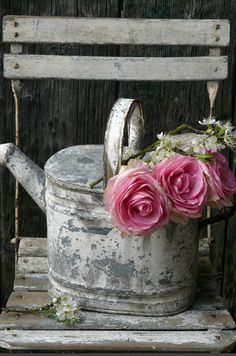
x,y
206,157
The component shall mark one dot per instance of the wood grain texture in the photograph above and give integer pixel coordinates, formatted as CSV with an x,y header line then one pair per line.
x,y
53,115
31,264
56,114
22,329
31,282
115,31
22,300
118,340
33,247
186,102
7,183
189,320
115,68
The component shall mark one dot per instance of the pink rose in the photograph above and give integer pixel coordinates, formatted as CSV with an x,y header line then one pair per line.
x,y
137,203
221,182
183,180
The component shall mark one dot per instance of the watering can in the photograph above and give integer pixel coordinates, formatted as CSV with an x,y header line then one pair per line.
x,y
87,258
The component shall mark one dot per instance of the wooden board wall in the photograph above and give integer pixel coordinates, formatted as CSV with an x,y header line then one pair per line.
x,y
56,114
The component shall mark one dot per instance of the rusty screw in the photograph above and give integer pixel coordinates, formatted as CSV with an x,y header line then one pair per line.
x,y
16,34
16,66
217,27
217,38
16,23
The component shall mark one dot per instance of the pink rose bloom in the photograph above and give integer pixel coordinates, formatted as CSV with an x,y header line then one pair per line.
x,y
221,182
183,180
137,203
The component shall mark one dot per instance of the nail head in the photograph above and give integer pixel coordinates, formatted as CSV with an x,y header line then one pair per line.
x,y
16,23
16,66
217,27
217,38
16,34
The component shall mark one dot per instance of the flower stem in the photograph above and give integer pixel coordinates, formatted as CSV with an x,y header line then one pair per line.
x,y
141,153
94,183
151,148
184,127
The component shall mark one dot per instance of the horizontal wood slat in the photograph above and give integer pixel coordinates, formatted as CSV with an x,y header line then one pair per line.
x,y
23,300
214,340
115,31
32,282
27,264
115,68
36,247
189,320
206,326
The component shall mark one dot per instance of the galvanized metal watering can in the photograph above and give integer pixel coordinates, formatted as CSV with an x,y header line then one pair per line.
x,y
88,259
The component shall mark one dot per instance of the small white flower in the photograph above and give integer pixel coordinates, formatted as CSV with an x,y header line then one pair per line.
x,y
160,154
199,149
186,147
211,144
208,121
227,126
66,308
230,139
161,136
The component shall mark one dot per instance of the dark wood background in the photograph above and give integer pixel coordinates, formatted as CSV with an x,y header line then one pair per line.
x,y
55,114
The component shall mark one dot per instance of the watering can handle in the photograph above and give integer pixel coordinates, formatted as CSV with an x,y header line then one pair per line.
x,y
125,111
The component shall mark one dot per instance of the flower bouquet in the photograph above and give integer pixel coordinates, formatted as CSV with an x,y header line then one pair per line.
x,y
173,179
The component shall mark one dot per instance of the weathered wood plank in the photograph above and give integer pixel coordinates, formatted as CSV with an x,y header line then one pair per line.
x,y
27,264
115,31
53,115
23,300
188,320
115,68
34,282
118,340
31,246
203,247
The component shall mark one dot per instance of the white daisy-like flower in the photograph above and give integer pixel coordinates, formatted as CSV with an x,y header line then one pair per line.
x,y
227,126
230,139
208,121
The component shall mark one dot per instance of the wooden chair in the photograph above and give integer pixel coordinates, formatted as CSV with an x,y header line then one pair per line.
x,y
207,325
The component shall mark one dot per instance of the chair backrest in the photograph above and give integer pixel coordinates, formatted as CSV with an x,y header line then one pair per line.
x,y
28,29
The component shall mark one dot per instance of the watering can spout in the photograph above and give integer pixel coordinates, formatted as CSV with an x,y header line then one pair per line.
x,y
29,175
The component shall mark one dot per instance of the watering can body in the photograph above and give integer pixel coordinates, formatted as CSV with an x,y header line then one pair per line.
x,y
87,258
